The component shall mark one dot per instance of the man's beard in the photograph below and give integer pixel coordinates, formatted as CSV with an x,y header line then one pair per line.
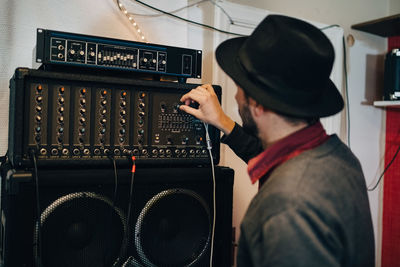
x,y
249,125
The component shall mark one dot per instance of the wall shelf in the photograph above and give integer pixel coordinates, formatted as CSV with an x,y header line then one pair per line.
x,y
393,103
385,27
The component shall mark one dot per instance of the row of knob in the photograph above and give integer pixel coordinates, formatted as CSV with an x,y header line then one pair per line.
x,y
124,152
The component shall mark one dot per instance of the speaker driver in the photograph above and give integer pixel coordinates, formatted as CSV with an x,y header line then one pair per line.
x,y
81,229
173,229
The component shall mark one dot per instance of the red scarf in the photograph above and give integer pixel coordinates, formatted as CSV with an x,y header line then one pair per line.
x,y
285,149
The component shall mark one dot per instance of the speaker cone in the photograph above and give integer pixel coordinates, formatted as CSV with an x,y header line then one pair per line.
x,y
173,229
81,229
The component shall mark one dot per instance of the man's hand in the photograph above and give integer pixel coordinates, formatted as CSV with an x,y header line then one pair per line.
x,y
209,110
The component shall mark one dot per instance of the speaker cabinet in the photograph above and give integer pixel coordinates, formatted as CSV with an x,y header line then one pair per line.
x,y
85,218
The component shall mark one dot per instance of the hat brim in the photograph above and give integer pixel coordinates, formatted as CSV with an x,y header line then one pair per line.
x,y
330,101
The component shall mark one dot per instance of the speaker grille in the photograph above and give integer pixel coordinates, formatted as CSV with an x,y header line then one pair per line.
x,y
173,229
81,229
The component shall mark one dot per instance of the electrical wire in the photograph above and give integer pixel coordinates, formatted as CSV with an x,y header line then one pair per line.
x,y
187,20
38,220
384,171
174,11
209,147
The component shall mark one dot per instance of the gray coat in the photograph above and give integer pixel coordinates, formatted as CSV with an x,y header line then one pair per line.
x,y
313,210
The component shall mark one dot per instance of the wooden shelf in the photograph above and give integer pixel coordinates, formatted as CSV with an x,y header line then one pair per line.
x,y
393,104
385,27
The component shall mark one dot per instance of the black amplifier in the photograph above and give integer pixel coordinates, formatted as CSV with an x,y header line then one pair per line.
x,y
80,119
78,50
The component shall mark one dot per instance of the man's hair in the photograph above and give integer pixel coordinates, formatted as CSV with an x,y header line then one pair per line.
x,y
294,120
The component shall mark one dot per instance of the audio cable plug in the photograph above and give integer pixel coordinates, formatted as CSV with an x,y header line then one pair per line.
x,y
208,139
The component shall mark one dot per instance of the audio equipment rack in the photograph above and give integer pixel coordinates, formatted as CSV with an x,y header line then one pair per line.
x,y
77,119
63,49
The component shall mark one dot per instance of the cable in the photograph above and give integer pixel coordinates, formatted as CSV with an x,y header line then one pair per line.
x,y
113,203
187,20
174,11
131,189
209,147
384,171
39,227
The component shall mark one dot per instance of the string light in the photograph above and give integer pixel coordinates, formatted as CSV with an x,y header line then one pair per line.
x,y
132,21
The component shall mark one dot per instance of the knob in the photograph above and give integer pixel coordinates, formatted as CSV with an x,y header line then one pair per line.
x,y
61,90
38,129
39,88
82,111
123,94
61,100
122,112
82,101
81,141
83,91
103,121
103,111
103,130
37,138
141,122
122,131
103,92
59,139
140,131
61,129
61,119
142,95
39,99
123,104
141,105
103,102
122,121
121,140
38,108
61,110
141,114
38,118
82,130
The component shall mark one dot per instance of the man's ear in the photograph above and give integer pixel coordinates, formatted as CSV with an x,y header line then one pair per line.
x,y
255,108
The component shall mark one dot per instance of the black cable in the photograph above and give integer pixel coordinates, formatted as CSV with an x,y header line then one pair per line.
x,y
186,20
174,11
384,171
38,220
110,223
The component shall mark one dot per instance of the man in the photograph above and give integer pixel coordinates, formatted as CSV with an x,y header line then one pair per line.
x,y
312,206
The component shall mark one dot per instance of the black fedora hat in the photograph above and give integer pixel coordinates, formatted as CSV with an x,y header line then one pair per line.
x,y
285,66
